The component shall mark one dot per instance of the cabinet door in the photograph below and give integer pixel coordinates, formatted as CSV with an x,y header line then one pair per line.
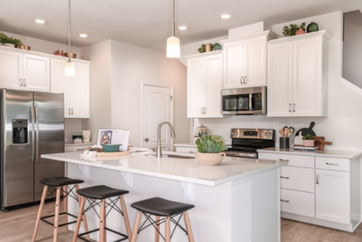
x,y
78,91
36,73
213,84
333,196
59,82
195,87
307,77
280,88
233,63
10,69
255,62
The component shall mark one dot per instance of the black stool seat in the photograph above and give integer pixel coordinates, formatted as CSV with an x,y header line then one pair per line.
x,y
101,192
60,181
161,207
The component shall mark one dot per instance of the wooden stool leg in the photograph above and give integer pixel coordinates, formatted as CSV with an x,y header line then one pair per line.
x,y
125,216
79,219
41,206
188,227
56,217
84,218
167,232
65,204
136,226
101,221
157,234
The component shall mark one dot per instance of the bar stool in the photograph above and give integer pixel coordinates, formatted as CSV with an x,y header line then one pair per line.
x,y
60,186
97,196
160,207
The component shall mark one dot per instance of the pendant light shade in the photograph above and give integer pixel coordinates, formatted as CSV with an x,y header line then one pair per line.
x,y
69,69
173,43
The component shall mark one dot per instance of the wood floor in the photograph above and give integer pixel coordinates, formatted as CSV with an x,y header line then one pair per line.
x,y
17,226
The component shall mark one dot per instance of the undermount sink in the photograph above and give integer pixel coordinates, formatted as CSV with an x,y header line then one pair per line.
x,y
173,156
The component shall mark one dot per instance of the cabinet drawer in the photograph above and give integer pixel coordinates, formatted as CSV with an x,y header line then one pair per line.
x,y
76,148
296,202
297,178
293,160
336,164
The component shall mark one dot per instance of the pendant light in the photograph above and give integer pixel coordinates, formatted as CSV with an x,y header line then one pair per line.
x,y
173,43
69,69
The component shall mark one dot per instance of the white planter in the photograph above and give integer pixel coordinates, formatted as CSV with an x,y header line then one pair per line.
x,y
308,142
209,159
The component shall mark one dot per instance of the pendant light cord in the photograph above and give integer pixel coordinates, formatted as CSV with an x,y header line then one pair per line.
x,y
69,31
173,23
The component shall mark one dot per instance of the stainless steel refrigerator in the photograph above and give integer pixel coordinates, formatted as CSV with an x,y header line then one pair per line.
x,y
32,123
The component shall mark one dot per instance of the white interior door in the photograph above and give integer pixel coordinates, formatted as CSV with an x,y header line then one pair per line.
x,y
157,108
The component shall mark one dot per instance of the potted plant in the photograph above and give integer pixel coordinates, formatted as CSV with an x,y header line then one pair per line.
x,y
209,150
293,29
10,41
308,140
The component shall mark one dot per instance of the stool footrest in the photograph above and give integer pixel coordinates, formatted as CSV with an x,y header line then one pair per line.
x,y
125,237
59,225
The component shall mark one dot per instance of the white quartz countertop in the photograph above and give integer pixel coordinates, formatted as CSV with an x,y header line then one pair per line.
x,y
188,145
186,170
324,153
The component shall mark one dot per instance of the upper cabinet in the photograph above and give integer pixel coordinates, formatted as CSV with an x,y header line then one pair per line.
x,y
204,84
296,75
75,89
244,62
22,71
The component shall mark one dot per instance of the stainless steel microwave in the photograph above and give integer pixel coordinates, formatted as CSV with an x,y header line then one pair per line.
x,y
241,101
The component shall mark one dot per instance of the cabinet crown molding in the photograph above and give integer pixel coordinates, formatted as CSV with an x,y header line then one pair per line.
x,y
215,52
253,35
323,33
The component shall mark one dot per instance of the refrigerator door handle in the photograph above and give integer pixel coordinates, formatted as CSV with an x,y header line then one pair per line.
x,y
32,115
37,134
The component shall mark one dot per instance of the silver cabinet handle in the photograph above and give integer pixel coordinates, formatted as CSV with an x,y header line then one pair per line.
x,y
72,111
293,107
290,107
204,110
282,200
284,177
245,80
241,80
21,82
317,180
147,139
283,160
68,111
24,81
331,164
80,149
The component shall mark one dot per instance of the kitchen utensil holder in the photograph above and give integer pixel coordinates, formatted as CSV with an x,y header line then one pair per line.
x,y
284,142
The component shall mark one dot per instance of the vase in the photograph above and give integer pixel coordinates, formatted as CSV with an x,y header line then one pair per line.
x,y
299,31
308,142
312,27
209,159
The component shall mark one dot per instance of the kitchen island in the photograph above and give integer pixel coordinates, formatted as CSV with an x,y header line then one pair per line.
x,y
236,201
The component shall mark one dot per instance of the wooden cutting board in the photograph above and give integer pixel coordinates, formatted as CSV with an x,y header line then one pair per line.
x,y
320,143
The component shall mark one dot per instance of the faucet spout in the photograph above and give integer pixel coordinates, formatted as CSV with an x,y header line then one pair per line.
x,y
159,148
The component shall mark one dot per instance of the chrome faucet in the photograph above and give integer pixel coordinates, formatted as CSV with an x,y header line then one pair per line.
x,y
159,148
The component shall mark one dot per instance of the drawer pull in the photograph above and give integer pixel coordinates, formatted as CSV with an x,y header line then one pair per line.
x,y
283,160
284,177
331,164
80,149
285,201
317,180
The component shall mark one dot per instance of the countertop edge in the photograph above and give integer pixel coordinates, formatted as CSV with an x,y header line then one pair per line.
x,y
323,153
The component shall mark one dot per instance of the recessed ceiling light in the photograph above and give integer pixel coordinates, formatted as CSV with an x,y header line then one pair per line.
x,y
83,35
39,21
182,27
225,16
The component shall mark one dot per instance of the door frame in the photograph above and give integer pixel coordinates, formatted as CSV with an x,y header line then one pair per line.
x,y
153,84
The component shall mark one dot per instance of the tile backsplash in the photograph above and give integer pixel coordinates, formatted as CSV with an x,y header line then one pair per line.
x,y
344,132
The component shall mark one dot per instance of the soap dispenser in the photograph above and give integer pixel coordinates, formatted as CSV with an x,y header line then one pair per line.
x,y
298,139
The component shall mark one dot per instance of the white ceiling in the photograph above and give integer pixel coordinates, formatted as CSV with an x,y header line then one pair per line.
x,y
147,23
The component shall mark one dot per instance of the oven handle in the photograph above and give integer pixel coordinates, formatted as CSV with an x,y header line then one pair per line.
x,y
250,102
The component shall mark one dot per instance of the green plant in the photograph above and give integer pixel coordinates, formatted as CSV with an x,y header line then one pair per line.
x,y
202,49
210,144
11,40
292,28
308,137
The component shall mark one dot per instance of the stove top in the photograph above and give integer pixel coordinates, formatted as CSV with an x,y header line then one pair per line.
x,y
246,142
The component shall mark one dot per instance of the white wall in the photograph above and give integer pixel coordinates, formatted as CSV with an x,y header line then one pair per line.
x,y
132,65
342,126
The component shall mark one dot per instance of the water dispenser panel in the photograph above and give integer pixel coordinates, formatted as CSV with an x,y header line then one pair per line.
x,y
20,131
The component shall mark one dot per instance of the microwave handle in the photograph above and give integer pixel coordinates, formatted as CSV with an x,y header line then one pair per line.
x,y
250,102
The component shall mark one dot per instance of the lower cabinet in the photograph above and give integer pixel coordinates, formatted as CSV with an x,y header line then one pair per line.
x,y
318,190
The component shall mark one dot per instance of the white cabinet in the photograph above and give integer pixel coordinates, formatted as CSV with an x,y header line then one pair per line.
x,y
75,89
319,190
244,62
204,84
296,75
22,71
